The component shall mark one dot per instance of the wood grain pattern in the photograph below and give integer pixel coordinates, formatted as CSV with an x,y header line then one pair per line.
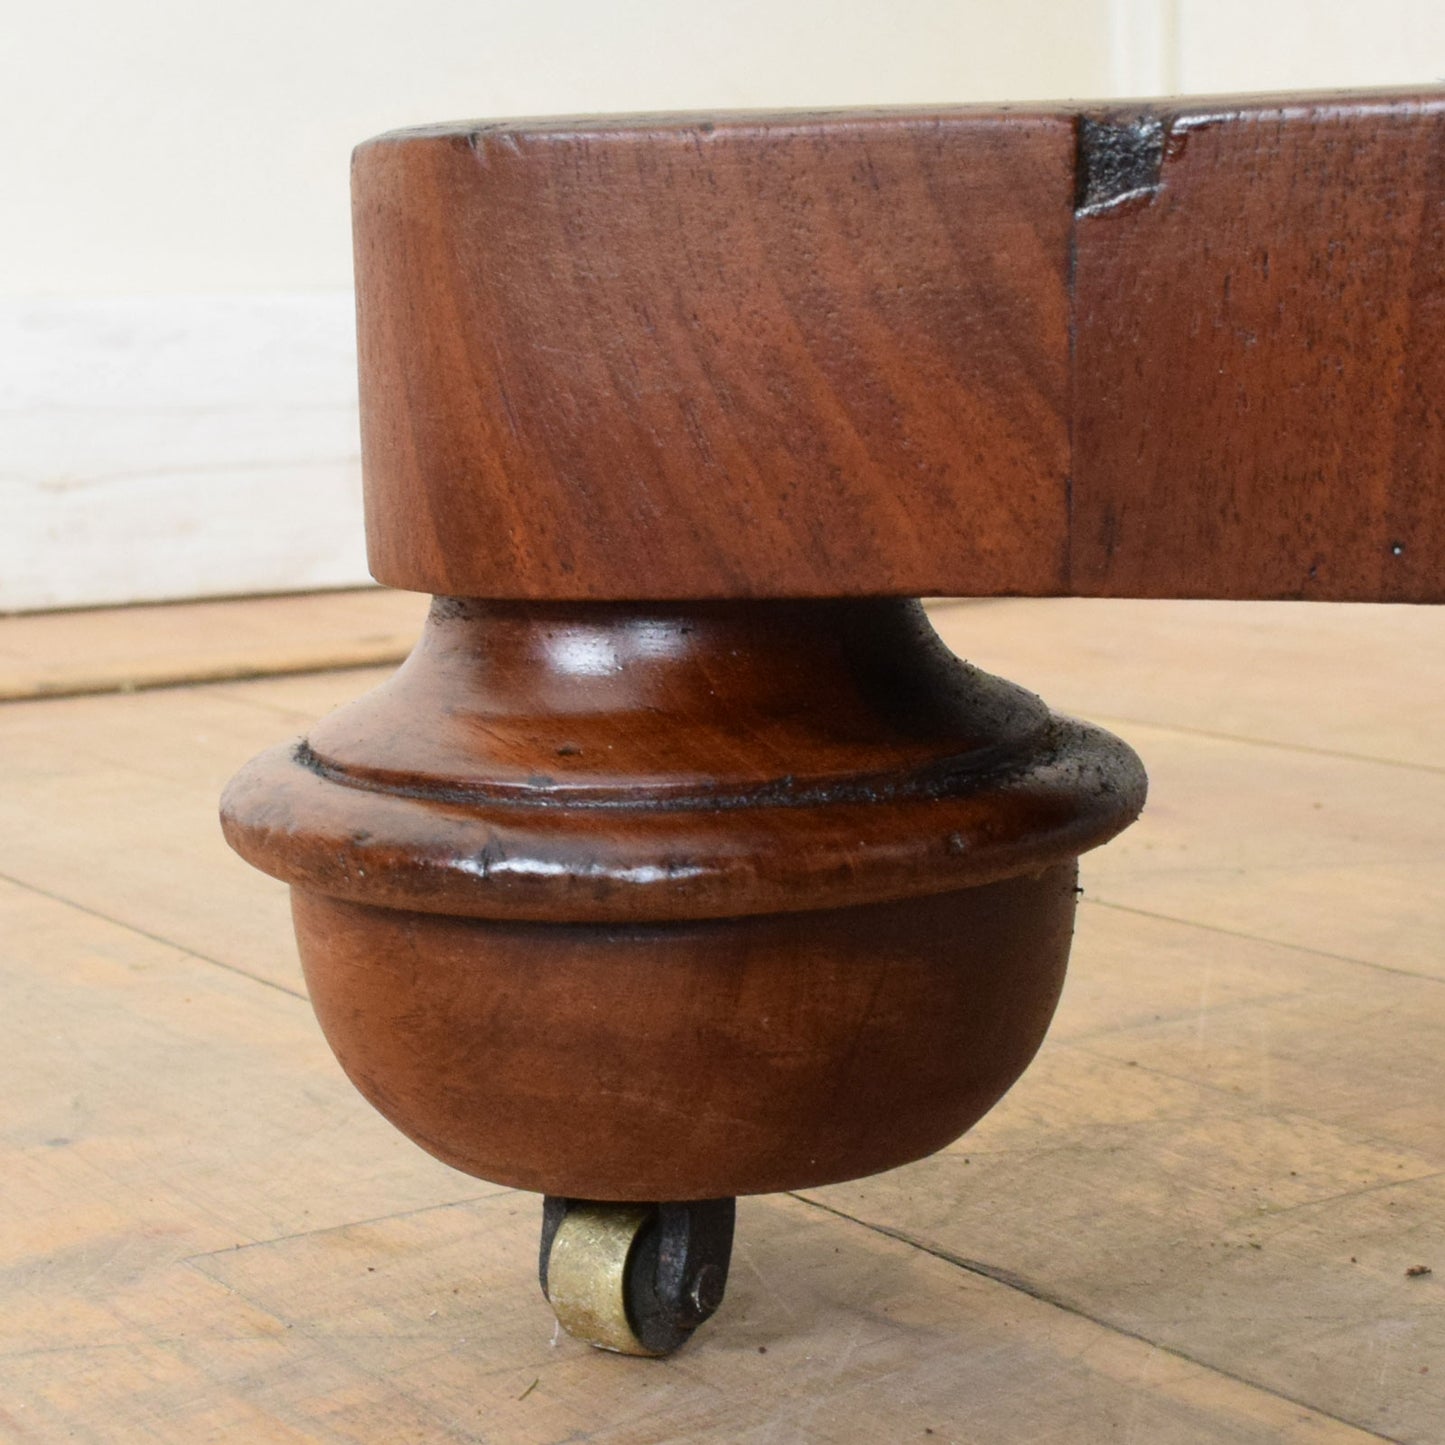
x,y
716,357
691,1060
1259,384
1183,350
905,1343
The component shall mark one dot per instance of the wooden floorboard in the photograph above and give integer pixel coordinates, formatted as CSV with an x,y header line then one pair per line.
x,y
1330,854
98,650
1359,678
1191,1221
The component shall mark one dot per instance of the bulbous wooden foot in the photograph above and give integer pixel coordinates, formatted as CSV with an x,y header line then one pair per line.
x,y
684,901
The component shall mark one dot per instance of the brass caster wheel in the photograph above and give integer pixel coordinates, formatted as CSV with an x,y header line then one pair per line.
x,y
637,1279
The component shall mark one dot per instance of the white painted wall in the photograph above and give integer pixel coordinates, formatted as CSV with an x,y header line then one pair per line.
x,y
1224,45
192,146
1214,47
177,411
177,446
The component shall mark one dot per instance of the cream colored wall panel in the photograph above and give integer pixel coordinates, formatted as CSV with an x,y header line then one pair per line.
x,y
165,145
1143,47
161,447
1233,45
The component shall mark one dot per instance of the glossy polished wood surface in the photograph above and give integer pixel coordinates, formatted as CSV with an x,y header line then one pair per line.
x,y
594,763
1173,350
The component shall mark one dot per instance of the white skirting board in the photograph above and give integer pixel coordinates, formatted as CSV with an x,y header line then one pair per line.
x,y
163,447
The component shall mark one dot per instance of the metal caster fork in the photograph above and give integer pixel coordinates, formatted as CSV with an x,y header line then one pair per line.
x,y
635,1278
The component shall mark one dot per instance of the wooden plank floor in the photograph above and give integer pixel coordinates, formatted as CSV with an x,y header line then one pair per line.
x,y
1190,1222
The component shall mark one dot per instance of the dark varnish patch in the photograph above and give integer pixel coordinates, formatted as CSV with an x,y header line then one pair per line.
x,y
1120,159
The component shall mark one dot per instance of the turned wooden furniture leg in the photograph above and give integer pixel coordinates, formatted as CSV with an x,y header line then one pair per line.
x,y
682,860
676,902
